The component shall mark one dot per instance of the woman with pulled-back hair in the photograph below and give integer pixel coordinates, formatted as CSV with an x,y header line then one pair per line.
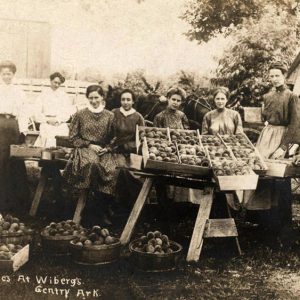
x,y
222,120
52,110
93,167
14,192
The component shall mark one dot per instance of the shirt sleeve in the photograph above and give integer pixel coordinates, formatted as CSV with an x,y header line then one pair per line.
x,y
292,134
205,124
75,136
238,124
22,112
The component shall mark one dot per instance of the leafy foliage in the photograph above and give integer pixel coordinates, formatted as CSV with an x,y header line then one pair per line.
x,y
208,18
261,31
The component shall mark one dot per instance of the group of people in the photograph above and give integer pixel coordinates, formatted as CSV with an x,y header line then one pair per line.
x,y
104,139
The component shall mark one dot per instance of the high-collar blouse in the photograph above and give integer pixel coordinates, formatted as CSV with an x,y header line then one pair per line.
x,y
55,104
282,108
13,102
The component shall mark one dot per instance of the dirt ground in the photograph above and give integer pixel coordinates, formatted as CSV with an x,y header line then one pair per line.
x,y
268,269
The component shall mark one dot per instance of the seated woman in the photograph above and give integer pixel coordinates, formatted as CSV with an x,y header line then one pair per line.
x,y
222,120
172,117
125,121
53,110
93,166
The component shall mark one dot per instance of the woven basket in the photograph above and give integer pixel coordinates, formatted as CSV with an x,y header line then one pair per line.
x,y
95,254
150,262
56,245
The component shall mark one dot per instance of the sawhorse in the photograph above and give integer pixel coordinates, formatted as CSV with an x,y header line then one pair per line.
x,y
203,228
49,169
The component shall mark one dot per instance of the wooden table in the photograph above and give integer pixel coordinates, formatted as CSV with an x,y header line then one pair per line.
x,y
203,228
49,169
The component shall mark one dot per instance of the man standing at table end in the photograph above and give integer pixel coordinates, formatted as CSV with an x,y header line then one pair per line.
x,y
281,112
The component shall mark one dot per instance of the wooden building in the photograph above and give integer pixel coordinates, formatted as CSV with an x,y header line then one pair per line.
x,y
293,75
28,45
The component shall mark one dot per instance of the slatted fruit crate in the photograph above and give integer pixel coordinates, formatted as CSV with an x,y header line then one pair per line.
x,y
244,150
17,260
25,151
229,173
282,168
150,133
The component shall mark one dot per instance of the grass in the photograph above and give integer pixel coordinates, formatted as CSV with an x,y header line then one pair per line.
x,y
268,269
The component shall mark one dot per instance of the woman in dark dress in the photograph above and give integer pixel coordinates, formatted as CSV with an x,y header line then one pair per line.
x,y
273,197
126,119
93,167
125,122
14,191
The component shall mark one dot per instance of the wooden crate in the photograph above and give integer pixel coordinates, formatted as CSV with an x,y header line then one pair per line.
x,y
171,167
63,141
158,165
138,141
203,140
265,167
17,261
282,168
25,151
189,132
237,182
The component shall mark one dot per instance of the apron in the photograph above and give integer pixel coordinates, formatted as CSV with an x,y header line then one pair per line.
x,y
265,195
270,139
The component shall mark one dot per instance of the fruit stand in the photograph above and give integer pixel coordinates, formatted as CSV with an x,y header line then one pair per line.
x,y
201,226
180,158
185,158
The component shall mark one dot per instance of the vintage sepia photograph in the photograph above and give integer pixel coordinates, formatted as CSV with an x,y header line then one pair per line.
x,y
149,149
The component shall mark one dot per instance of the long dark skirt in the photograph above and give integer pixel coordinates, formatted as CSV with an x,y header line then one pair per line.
x,y
14,191
86,170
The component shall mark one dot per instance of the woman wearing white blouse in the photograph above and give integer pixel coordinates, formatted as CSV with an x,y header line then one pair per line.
x,y
53,110
13,121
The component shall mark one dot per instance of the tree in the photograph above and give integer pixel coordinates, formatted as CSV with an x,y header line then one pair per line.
x,y
270,33
208,18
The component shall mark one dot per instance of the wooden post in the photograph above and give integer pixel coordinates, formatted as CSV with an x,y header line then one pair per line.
x,y
236,238
197,237
135,213
80,206
39,192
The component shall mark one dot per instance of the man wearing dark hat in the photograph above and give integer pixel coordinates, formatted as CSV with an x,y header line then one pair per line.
x,y
281,113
